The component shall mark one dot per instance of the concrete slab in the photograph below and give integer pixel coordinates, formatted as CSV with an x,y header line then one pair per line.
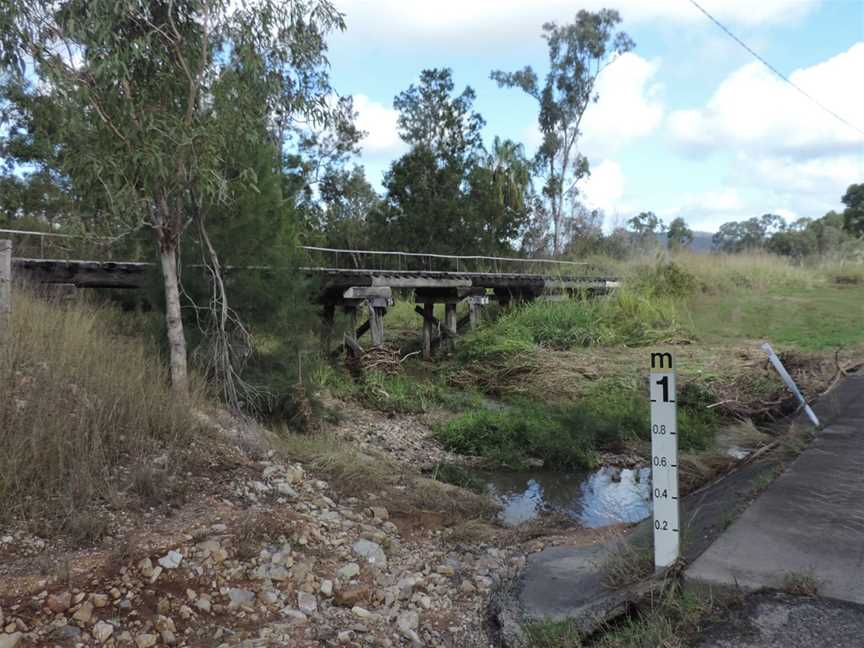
x,y
809,520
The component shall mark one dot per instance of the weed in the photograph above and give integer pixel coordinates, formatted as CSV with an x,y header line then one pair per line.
x,y
458,476
627,564
550,633
670,620
343,463
800,584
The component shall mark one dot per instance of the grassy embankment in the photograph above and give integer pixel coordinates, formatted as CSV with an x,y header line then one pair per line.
x,y
570,376
85,411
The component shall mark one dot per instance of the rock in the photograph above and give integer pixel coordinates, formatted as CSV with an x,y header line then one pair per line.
x,y
203,603
307,602
164,623
360,613
406,586
11,640
408,620
295,616
240,597
268,597
285,488
59,602
171,560
371,551
168,637
102,630
348,571
344,637
327,588
146,640
294,474
99,600
146,568
445,570
467,587
352,595
271,572
84,613
66,632
380,513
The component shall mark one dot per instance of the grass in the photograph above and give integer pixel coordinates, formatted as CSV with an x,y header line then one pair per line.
x,y
609,416
807,318
80,404
800,584
399,393
670,620
627,564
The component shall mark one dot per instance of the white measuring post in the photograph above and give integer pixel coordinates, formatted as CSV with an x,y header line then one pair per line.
x,y
664,461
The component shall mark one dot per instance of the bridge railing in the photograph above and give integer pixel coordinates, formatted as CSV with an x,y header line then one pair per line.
x,y
56,245
324,257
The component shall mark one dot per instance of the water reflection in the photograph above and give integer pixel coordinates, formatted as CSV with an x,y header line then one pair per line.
x,y
607,496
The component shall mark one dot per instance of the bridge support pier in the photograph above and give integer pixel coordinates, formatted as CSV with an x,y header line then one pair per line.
x,y
450,322
428,329
328,316
377,310
475,309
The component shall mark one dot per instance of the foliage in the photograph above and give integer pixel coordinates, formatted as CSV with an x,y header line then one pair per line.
x,y
853,216
679,236
552,634
578,52
645,227
561,438
431,118
629,317
610,413
81,404
747,235
134,89
447,195
348,200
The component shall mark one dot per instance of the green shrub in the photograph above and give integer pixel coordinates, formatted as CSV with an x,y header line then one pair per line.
x,y
629,317
561,437
610,414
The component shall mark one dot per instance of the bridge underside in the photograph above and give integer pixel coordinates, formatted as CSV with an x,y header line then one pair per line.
x,y
355,291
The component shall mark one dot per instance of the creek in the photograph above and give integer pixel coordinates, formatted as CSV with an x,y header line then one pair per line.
x,y
595,499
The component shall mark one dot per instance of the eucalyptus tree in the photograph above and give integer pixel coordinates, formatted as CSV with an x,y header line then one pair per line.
x,y
578,53
134,85
679,236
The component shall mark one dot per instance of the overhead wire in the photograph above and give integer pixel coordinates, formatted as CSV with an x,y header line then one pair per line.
x,y
775,70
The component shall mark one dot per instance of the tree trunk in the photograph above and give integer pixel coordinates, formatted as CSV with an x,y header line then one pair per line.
x,y
174,319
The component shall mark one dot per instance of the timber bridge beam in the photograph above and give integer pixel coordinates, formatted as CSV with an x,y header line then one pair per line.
x,y
431,278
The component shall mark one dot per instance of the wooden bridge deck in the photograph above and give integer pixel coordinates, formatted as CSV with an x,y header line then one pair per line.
x,y
131,275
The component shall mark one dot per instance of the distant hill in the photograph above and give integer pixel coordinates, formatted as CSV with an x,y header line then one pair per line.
x,y
701,241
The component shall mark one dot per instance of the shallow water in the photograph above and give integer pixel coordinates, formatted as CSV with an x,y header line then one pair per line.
x,y
606,496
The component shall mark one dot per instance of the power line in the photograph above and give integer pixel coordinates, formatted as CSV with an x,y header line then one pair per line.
x,y
774,69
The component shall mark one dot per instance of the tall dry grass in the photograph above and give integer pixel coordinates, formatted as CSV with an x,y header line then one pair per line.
x,y
83,408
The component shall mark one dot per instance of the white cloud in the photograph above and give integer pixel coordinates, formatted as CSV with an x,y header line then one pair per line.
x,y
753,110
629,107
379,122
604,188
482,22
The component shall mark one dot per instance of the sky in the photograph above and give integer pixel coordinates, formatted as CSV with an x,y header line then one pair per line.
x,y
688,124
